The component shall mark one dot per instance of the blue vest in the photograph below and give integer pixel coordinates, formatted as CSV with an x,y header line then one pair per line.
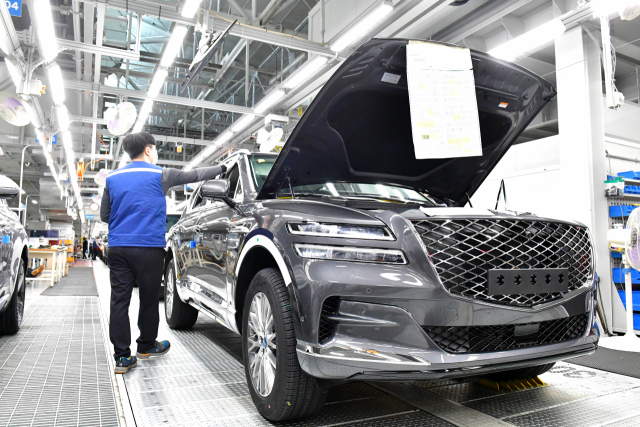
x,y
138,206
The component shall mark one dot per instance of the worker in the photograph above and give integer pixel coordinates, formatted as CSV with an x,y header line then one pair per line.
x,y
85,244
95,249
90,249
134,206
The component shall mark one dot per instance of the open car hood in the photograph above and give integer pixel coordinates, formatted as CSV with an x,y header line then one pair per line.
x,y
358,128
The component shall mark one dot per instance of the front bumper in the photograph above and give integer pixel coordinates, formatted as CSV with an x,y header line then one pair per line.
x,y
356,364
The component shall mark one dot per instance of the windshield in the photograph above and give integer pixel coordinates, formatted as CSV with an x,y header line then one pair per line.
x,y
384,192
260,167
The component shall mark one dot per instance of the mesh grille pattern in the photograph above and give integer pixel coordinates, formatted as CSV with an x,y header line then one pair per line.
x,y
482,339
325,328
464,250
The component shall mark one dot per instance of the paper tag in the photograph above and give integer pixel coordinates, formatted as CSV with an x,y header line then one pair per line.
x,y
391,78
442,99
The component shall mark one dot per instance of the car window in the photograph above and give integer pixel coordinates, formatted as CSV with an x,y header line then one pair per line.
x,y
261,165
233,175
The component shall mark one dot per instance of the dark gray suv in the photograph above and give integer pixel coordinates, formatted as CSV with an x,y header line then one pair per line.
x,y
345,258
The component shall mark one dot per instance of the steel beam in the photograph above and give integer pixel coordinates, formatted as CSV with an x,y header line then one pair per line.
x,y
169,99
219,24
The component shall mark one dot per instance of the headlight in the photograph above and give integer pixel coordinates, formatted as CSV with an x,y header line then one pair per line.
x,y
340,230
340,253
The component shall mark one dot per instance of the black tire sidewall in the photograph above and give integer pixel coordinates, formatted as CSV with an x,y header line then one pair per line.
x,y
265,405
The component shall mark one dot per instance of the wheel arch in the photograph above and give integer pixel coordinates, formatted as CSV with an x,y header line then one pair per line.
x,y
259,252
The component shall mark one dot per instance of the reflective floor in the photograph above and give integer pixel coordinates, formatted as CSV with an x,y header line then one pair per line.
x,y
201,382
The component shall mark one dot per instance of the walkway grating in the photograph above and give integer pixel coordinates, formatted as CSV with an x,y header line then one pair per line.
x,y
54,371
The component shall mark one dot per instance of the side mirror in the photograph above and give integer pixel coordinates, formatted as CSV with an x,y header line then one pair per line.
x,y
9,192
217,189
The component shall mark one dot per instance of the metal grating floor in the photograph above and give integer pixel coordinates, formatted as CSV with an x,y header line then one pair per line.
x,y
54,371
201,383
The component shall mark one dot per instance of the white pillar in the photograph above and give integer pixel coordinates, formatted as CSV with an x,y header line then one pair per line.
x,y
582,152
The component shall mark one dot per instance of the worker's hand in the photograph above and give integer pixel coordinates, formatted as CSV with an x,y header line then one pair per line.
x,y
224,168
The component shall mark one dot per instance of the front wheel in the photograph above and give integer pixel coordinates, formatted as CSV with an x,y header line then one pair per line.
x,y
11,319
280,389
179,314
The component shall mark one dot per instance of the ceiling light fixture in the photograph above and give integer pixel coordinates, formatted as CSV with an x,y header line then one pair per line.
x,y
15,71
304,72
171,50
157,83
528,41
56,83
221,139
242,122
268,101
190,8
607,7
362,27
63,117
44,30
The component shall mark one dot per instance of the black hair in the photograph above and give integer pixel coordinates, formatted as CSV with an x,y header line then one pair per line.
x,y
135,143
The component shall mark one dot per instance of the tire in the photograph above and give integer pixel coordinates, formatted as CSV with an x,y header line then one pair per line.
x,y
522,373
179,315
11,318
293,393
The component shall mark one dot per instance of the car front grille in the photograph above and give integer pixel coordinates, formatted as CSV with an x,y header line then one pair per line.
x,y
326,326
464,250
483,339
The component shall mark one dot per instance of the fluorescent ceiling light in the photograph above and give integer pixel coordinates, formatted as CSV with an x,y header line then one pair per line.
x,y
144,111
242,122
304,72
156,83
171,50
221,139
208,151
362,27
34,201
48,47
56,84
527,42
63,117
268,101
66,139
138,127
607,7
15,71
190,8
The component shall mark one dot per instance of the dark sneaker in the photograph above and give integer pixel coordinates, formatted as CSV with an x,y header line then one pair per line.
x,y
123,364
161,348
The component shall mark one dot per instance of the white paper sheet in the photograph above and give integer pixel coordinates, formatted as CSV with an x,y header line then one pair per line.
x,y
442,98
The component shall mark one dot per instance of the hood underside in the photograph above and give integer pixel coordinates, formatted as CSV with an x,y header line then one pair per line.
x,y
358,128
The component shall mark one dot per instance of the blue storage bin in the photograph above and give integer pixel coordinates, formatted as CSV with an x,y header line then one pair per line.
x,y
636,300
622,210
616,254
629,175
618,277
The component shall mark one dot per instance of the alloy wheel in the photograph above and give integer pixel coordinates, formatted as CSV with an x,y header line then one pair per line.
x,y
261,348
20,283
168,296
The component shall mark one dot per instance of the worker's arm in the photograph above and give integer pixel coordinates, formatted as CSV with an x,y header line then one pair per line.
x,y
172,177
105,206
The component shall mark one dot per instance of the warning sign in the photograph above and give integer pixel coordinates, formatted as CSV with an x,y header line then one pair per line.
x,y
442,98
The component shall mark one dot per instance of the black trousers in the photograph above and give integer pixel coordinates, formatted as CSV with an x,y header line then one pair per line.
x,y
146,267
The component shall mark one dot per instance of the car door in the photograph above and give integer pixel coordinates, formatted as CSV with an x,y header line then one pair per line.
x,y
214,225
189,236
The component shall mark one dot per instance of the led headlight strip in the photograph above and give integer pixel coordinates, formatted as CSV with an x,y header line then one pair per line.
x,y
340,230
340,253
